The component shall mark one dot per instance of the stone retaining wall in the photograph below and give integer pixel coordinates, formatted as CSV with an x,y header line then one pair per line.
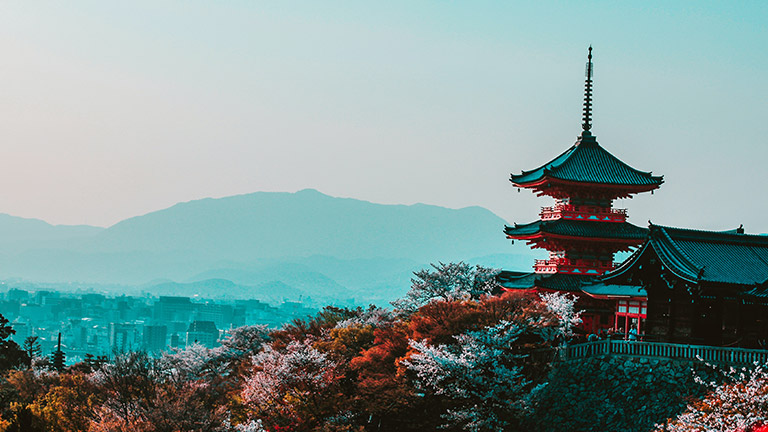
x,y
616,393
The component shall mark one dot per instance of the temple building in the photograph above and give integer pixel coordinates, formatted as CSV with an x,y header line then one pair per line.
x,y
679,285
702,287
582,230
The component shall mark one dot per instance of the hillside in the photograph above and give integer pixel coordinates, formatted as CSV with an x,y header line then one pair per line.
x,y
20,234
274,225
306,240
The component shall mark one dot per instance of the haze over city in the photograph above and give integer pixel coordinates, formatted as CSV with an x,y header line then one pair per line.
x,y
110,111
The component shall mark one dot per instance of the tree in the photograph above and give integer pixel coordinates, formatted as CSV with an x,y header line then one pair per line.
x,y
564,307
143,394
453,281
68,405
738,405
11,355
480,377
293,387
241,343
194,362
32,348
382,392
315,327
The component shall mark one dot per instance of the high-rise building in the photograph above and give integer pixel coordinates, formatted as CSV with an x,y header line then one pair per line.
x,y
154,338
203,332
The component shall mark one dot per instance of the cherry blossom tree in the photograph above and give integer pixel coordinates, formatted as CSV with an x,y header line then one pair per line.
x,y
292,387
739,405
479,375
564,307
193,362
453,281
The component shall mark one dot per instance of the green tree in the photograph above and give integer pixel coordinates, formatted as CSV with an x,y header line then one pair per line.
x,y
11,355
446,282
32,349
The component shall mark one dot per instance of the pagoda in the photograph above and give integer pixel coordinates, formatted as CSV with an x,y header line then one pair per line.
x,y
582,230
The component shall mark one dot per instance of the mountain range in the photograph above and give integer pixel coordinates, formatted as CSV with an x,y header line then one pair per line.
x,y
264,244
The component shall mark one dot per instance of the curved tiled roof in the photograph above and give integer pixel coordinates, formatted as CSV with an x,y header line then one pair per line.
x,y
587,229
563,282
587,162
555,282
712,256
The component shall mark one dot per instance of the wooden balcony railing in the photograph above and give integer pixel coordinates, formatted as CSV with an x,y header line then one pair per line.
x,y
709,354
577,266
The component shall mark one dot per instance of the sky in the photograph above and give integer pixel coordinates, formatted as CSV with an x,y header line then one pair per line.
x,y
110,110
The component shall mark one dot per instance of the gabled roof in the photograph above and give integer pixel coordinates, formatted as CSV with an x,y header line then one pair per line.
x,y
587,162
722,257
585,229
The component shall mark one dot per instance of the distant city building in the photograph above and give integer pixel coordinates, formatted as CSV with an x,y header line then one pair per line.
x,y
154,338
221,314
174,309
46,297
204,333
175,341
17,295
97,324
22,331
123,337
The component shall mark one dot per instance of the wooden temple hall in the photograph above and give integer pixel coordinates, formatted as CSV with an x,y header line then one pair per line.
x,y
679,285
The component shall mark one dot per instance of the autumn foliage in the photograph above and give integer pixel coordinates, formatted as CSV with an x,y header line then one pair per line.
x,y
453,354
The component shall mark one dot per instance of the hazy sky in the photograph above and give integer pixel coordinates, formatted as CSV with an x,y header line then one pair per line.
x,y
114,109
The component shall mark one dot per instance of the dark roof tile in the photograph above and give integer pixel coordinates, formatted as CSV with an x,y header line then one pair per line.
x,y
529,280
722,257
588,162
587,229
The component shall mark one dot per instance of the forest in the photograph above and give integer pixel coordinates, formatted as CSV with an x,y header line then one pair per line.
x,y
455,354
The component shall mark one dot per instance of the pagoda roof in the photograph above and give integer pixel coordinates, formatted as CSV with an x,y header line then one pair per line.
x,y
582,229
719,257
587,162
516,280
528,280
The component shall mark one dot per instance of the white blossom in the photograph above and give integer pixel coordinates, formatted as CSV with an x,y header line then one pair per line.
x,y
244,340
453,281
563,306
195,361
297,370
480,374
737,405
373,316
250,426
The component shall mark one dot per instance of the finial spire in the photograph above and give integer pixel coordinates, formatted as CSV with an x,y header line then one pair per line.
x,y
587,125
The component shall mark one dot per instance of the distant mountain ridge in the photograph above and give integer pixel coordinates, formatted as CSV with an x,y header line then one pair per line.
x,y
306,240
17,233
273,224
